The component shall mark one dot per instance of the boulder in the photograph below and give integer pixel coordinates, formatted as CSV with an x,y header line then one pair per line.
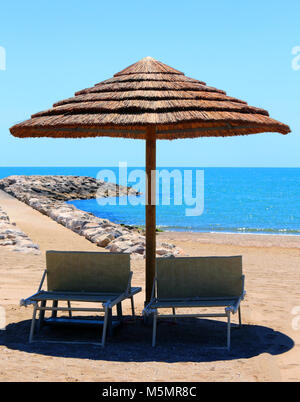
x,y
104,240
138,249
162,251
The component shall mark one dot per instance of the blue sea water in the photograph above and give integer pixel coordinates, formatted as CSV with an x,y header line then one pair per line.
x,y
236,200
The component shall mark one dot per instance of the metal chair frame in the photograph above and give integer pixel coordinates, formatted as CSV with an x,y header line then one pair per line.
x,y
156,303
108,301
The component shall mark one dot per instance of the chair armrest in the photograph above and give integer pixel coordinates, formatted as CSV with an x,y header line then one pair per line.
x,y
123,296
134,290
27,302
148,308
235,307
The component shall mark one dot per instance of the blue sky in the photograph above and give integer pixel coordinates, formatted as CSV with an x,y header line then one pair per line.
x,y
54,48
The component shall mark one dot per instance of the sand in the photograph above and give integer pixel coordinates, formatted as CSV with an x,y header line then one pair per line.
x,y
267,348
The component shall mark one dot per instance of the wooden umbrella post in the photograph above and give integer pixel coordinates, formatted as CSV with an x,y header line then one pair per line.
x,y
150,210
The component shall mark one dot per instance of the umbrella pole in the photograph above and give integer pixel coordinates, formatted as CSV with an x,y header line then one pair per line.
x,y
150,210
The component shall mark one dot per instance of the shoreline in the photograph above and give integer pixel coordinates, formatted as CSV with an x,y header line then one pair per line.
x,y
233,239
229,233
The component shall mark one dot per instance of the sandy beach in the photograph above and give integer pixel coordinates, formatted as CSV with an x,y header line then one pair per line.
x,y
267,348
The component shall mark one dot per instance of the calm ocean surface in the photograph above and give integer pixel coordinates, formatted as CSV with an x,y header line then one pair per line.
x,y
236,200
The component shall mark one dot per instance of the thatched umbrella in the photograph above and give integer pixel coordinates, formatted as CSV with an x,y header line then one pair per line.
x,y
149,100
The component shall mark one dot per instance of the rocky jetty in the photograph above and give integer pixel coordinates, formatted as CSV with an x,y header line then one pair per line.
x,y
14,238
48,194
62,188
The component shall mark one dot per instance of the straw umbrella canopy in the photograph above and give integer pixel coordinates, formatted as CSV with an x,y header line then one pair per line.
x,y
149,100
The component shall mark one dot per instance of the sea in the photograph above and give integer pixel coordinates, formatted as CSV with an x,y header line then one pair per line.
x,y
231,200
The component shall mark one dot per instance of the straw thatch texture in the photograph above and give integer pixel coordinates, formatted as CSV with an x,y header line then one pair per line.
x,y
149,93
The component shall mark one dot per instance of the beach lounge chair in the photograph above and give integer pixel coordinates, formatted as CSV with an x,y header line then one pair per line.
x,y
190,282
91,277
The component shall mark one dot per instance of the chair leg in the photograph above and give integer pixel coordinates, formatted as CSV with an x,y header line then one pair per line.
x,y
154,328
228,330
240,317
174,313
132,307
119,311
105,326
33,323
109,323
69,306
54,312
42,315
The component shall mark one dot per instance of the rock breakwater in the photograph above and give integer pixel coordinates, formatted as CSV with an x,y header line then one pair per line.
x,y
48,194
14,238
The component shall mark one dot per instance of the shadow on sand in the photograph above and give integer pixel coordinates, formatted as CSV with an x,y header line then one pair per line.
x,y
187,340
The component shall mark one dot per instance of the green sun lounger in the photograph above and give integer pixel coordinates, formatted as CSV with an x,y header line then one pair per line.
x,y
89,277
195,282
